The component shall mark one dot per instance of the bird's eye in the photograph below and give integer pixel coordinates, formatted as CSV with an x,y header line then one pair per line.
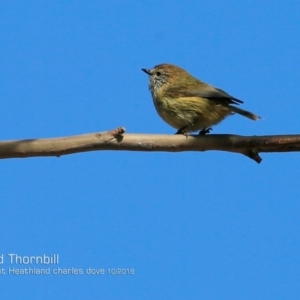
x,y
158,73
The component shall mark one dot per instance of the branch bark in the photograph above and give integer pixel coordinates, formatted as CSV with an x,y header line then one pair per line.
x,y
115,139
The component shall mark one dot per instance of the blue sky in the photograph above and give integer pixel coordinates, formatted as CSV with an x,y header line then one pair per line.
x,y
192,225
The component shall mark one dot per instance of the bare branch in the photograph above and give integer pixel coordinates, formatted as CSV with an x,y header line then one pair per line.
x,y
115,139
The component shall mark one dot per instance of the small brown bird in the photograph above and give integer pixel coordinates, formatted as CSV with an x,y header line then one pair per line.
x,y
188,104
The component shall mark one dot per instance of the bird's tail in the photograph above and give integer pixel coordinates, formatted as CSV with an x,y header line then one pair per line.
x,y
244,113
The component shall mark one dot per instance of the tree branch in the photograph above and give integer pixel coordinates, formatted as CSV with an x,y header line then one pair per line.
x,y
115,139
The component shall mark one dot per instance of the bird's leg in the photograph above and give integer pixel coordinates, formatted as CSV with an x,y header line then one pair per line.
x,y
204,131
182,129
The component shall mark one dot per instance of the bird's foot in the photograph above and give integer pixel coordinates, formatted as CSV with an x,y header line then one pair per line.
x,y
179,131
182,130
205,131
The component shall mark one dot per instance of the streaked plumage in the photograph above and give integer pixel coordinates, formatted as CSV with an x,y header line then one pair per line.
x,y
188,104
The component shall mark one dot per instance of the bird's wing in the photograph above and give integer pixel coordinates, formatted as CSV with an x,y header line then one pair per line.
x,y
206,91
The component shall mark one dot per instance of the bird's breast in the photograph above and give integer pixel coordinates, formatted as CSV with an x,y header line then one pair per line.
x,y
198,112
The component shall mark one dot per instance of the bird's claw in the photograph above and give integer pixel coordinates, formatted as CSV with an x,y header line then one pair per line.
x,y
205,131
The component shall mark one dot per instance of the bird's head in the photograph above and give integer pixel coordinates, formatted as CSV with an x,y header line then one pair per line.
x,y
164,75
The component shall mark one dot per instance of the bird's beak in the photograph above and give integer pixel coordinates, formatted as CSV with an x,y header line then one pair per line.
x,y
147,71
